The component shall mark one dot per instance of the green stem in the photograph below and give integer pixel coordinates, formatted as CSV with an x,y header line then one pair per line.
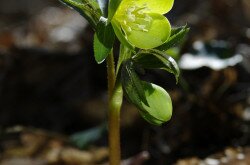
x,y
115,101
111,74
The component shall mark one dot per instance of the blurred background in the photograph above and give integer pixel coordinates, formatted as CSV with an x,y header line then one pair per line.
x,y
53,98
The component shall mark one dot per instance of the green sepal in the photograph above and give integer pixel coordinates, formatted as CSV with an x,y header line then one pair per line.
x,y
125,53
177,35
155,59
131,83
103,41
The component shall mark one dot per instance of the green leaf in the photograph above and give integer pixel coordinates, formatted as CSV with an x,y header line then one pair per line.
x,y
93,3
89,9
84,138
125,53
155,59
113,6
131,83
153,102
103,41
177,35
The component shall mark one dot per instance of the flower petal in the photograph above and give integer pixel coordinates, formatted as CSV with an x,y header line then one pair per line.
x,y
160,104
120,35
156,6
125,4
156,35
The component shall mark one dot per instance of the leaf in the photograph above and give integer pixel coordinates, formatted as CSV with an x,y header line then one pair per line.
x,y
113,6
153,102
103,41
84,138
131,83
89,9
125,53
177,35
155,59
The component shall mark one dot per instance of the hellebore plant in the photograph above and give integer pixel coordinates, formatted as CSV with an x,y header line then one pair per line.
x,y
145,35
142,22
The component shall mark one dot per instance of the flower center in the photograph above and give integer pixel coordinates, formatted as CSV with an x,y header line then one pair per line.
x,y
135,18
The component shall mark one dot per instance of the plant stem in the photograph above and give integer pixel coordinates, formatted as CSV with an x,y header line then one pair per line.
x,y
115,101
111,74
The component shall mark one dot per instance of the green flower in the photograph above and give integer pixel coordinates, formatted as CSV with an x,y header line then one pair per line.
x,y
142,23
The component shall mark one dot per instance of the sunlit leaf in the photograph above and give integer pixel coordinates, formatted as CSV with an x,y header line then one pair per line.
x,y
103,41
157,60
131,83
124,54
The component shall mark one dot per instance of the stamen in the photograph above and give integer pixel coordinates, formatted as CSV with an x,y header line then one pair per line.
x,y
131,9
141,27
135,18
131,17
129,29
140,11
147,18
